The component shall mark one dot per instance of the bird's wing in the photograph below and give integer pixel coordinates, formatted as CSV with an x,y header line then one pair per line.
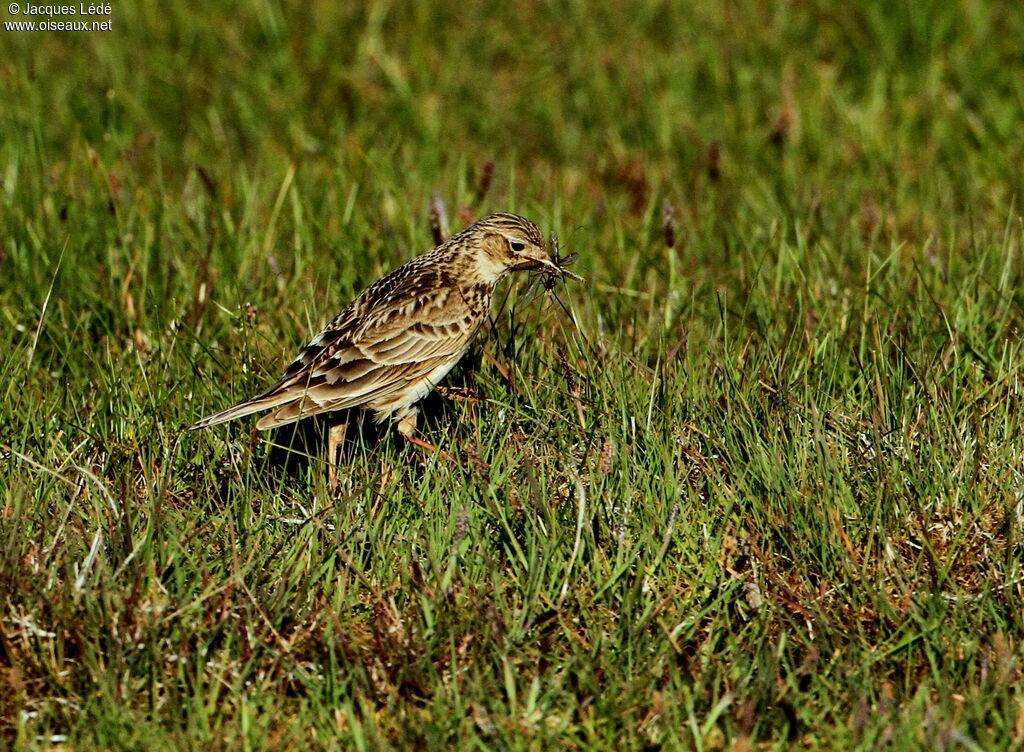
x,y
364,355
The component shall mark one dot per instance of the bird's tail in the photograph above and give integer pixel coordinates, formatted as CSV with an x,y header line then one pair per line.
x,y
250,406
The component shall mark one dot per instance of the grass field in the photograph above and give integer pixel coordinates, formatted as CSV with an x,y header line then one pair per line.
x,y
767,491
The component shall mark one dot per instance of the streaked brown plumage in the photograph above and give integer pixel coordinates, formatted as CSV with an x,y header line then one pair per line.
x,y
393,344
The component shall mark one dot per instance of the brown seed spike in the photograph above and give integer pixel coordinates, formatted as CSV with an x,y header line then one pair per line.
x,y
715,160
870,216
486,176
668,223
573,384
438,219
607,456
633,175
461,527
479,465
782,124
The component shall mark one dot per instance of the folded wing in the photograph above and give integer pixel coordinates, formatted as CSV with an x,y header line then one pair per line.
x,y
360,359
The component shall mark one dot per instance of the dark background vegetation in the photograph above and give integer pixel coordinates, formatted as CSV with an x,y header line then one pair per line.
x,y
766,495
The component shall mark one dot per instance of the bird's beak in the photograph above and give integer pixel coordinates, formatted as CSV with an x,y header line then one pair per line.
x,y
545,264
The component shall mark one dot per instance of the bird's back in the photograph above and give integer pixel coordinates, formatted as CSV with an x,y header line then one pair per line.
x,y
396,337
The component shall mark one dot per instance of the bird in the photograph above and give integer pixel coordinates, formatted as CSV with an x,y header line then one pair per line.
x,y
399,338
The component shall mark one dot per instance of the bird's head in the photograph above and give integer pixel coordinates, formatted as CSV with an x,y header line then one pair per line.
x,y
509,243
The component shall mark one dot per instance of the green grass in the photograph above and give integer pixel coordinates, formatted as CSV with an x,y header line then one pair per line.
x,y
768,495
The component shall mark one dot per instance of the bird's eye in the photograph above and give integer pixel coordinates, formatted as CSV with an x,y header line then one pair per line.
x,y
517,245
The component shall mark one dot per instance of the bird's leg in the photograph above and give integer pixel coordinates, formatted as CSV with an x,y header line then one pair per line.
x,y
406,427
335,443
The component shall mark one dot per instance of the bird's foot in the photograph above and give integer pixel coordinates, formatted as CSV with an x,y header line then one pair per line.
x,y
406,428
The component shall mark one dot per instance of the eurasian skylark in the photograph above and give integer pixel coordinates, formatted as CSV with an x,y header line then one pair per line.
x,y
393,344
